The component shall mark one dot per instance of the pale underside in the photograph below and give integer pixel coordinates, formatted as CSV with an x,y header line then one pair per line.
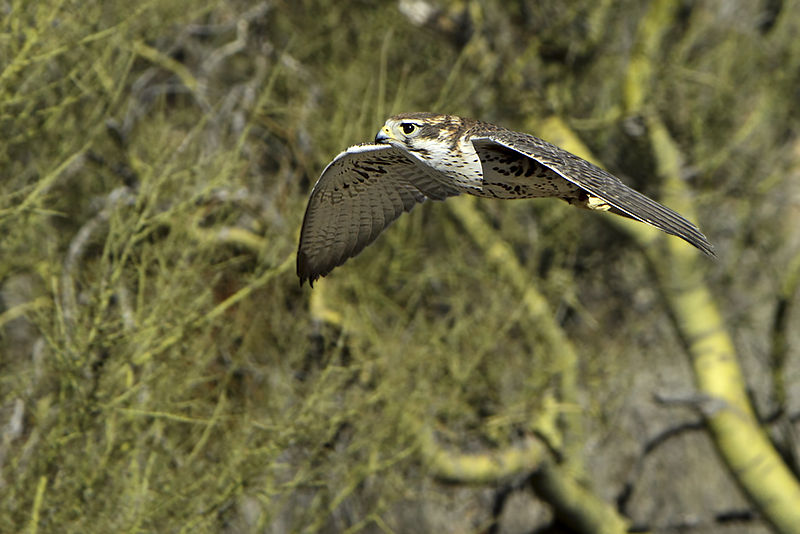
x,y
364,189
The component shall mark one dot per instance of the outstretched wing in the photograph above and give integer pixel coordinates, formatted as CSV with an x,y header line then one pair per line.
x,y
361,192
596,182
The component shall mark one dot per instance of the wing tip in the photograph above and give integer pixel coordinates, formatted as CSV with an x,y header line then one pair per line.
x,y
304,270
310,278
705,246
691,235
304,279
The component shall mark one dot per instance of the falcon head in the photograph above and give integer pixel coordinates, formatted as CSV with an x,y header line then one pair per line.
x,y
428,136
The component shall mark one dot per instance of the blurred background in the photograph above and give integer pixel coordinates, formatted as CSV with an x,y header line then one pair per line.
x,y
161,369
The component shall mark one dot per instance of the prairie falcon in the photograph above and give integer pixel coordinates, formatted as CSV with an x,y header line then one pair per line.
x,y
418,156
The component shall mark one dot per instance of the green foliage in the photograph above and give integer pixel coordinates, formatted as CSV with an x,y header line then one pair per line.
x,y
161,370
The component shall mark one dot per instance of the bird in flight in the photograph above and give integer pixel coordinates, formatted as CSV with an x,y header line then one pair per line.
x,y
418,156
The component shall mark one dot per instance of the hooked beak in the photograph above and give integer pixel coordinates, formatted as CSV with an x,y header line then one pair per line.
x,y
383,135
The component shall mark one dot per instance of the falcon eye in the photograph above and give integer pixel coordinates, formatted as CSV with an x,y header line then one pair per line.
x,y
408,128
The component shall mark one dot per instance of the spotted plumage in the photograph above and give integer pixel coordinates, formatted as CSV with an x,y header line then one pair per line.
x,y
418,156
